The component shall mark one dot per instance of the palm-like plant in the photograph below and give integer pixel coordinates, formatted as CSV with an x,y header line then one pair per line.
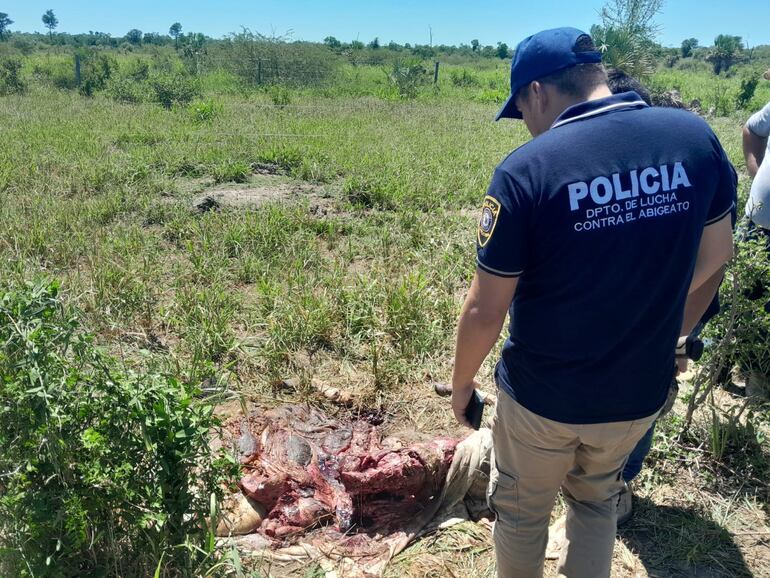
x,y
623,50
626,35
726,52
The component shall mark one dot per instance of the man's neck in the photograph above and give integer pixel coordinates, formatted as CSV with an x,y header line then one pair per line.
x,y
566,102
599,92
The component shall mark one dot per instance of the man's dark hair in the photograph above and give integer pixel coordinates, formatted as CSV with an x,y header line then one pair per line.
x,y
619,81
579,80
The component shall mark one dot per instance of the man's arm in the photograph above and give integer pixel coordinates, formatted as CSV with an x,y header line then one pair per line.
x,y
715,250
753,150
698,301
478,329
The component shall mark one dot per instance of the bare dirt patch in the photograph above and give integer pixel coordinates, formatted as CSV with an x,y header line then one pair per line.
x,y
254,195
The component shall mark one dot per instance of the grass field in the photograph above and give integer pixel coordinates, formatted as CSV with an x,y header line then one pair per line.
x,y
349,267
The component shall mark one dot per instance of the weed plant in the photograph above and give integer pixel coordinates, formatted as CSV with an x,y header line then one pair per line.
x,y
104,470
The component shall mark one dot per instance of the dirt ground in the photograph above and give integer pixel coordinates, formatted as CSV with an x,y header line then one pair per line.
x,y
693,518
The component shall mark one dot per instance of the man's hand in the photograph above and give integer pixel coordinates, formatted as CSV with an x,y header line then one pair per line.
x,y
461,396
682,360
477,331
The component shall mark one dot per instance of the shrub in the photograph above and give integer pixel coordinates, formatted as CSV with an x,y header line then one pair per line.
x,y
124,89
104,471
95,71
464,78
626,35
23,45
671,60
265,60
280,95
691,65
204,110
11,81
748,88
138,70
58,73
407,76
724,104
739,334
175,88
726,52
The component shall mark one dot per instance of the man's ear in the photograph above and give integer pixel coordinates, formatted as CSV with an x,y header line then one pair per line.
x,y
538,91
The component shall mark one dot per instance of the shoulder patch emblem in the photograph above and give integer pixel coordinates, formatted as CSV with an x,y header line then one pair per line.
x,y
489,213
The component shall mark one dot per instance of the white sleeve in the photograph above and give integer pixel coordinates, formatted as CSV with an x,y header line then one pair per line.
x,y
759,122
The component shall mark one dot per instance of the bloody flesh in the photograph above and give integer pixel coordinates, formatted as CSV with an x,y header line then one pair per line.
x,y
308,470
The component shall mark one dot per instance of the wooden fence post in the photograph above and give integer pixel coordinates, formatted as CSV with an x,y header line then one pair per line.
x,y
77,70
435,74
259,71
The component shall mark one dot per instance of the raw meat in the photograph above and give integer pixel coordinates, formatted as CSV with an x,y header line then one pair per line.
x,y
308,471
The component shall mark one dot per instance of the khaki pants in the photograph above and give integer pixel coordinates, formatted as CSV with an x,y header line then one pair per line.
x,y
532,458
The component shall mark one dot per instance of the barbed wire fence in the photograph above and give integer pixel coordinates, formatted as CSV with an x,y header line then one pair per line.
x,y
290,73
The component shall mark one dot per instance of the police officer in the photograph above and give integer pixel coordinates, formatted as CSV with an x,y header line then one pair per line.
x,y
592,234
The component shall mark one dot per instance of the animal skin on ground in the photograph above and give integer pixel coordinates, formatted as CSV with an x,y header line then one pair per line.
x,y
307,470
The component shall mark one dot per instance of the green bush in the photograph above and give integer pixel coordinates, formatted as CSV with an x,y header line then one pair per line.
x,y
125,89
280,95
204,110
96,68
724,104
463,78
691,65
739,334
263,60
168,89
95,71
10,77
58,73
137,70
104,471
407,76
23,45
748,87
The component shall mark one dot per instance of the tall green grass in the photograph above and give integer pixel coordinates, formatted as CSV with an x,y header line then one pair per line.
x,y
714,92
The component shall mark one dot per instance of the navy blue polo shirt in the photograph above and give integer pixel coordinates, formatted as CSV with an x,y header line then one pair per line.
x,y
601,218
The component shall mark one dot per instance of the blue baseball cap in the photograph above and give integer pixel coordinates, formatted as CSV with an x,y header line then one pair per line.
x,y
540,55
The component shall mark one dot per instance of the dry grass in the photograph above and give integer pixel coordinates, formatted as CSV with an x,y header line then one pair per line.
x,y
693,517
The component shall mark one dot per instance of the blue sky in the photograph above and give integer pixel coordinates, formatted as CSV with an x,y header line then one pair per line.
x,y
452,21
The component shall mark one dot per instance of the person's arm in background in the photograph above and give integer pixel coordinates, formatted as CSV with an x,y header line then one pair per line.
x,y
478,329
755,135
753,150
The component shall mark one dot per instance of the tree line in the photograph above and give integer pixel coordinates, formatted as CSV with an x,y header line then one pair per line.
x,y
625,36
